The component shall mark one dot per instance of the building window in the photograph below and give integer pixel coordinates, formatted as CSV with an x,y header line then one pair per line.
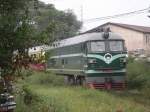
x,y
147,39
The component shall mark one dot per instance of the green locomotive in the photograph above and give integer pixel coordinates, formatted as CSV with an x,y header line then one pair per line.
x,y
95,59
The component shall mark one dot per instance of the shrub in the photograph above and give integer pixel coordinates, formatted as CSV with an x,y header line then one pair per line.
x,y
138,74
49,79
29,97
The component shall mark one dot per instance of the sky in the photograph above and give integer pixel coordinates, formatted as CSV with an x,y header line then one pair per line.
x,y
88,9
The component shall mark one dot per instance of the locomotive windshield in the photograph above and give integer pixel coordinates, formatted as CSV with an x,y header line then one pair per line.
x,y
97,46
116,45
102,46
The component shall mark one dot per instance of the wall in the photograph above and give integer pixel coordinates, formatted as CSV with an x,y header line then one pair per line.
x,y
133,39
147,41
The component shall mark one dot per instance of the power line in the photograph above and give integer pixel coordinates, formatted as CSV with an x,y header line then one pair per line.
x,y
118,15
81,12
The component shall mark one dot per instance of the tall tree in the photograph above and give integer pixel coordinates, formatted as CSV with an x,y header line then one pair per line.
x,y
15,32
57,24
27,23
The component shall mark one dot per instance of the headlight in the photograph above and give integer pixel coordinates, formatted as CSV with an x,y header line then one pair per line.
x,y
124,60
11,98
85,66
92,61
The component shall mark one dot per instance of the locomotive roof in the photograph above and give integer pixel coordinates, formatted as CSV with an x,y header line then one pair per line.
x,y
86,37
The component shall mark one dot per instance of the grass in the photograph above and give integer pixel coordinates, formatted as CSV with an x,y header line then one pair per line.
x,y
47,93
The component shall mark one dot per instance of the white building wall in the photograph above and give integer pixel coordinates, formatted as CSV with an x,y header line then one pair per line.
x,y
147,42
133,39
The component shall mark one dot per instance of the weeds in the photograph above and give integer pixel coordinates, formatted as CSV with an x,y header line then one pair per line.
x,y
54,96
138,76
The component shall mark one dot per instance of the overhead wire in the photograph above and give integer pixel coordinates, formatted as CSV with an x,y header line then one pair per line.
x,y
117,15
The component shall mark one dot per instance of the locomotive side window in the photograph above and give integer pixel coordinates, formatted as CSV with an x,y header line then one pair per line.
x,y
97,46
116,45
63,61
52,62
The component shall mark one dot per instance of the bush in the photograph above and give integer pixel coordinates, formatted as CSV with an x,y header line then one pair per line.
x,y
31,101
42,78
138,76
29,96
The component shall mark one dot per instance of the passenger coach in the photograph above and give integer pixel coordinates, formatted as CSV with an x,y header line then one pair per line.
x,y
95,59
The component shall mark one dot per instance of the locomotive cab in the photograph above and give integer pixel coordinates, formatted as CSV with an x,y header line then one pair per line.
x,y
106,62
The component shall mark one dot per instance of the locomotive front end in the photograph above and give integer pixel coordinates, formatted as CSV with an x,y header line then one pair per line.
x,y
106,62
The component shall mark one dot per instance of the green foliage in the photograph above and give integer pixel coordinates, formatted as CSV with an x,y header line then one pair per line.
x,y
46,78
29,97
56,24
138,74
15,32
74,99
27,23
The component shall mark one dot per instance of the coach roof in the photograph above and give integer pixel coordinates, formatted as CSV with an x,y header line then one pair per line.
x,y
86,37
83,38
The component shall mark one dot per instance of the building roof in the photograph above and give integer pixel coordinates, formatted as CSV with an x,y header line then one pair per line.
x,y
127,26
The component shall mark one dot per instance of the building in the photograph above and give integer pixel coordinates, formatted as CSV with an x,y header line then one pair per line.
x,y
136,37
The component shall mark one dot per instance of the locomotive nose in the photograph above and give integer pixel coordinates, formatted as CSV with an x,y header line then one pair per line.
x,y
107,61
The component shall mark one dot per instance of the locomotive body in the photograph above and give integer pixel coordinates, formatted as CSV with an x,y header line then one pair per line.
x,y
94,59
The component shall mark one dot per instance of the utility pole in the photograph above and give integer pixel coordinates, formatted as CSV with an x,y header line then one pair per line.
x,y
148,12
82,14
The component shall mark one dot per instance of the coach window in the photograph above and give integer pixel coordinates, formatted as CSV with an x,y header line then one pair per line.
x,y
71,48
85,47
82,47
52,62
75,49
63,61
66,61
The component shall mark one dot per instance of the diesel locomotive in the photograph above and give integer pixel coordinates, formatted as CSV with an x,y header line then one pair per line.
x,y
96,59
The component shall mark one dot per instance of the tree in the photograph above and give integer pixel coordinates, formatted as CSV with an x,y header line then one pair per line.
x,y
15,33
65,23
27,23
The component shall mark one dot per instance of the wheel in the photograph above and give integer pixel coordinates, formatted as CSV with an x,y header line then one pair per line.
x,y
83,82
78,81
66,80
72,80
69,80
10,111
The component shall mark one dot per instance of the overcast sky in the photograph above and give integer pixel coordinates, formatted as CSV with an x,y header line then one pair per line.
x,y
102,8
